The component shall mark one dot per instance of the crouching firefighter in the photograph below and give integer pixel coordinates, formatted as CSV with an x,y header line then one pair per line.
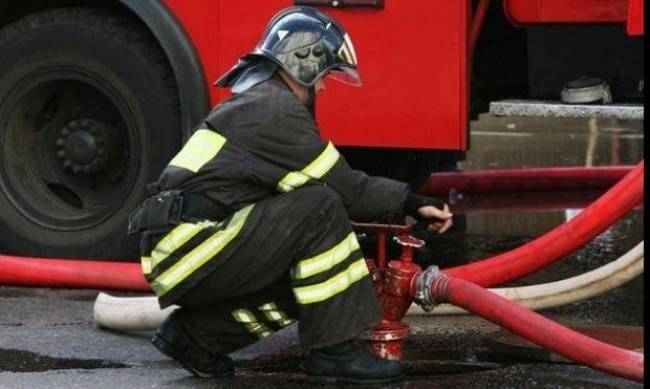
x,y
251,229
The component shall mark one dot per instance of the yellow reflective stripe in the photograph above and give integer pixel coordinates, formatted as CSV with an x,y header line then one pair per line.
x,y
175,239
249,321
273,313
244,316
286,322
198,150
146,265
333,286
292,181
325,261
316,169
201,254
321,165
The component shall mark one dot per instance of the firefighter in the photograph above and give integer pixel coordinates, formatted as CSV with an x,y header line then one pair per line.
x,y
250,230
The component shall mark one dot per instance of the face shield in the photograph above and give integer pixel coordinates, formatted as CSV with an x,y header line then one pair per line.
x,y
345,75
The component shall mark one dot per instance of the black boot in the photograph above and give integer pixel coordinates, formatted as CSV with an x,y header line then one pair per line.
x,y
349,362
172,340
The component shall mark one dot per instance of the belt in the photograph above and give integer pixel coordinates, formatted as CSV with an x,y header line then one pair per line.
x,y
161,212
197,206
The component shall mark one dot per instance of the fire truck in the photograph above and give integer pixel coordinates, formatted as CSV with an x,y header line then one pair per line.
x,y
97,95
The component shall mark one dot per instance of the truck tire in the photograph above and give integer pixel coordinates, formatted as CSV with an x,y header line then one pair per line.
x,y
89,115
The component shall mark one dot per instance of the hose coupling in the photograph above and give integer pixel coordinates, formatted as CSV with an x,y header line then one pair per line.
x,y
422,294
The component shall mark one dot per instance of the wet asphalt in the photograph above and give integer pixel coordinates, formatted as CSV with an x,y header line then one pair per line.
x,y
48,338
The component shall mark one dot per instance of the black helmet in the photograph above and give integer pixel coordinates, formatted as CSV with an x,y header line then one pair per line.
x,y
306,43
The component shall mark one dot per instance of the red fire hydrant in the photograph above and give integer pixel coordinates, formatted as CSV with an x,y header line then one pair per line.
x,y
392,282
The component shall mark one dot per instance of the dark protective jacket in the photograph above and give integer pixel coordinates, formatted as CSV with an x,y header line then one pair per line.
x,y
263,142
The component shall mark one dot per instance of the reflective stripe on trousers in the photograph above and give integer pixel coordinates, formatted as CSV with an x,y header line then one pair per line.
x,y
271,313
346,256
196,256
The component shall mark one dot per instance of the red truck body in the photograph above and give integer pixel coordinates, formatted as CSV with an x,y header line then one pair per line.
x,y
563,11
414,92
96,96
413,59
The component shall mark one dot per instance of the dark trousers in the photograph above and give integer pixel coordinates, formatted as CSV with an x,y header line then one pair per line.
x,y
294,258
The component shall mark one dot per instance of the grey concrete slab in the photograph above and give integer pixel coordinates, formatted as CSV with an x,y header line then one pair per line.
x,y
557,109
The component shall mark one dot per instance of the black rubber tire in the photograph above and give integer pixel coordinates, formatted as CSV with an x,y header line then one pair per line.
x,y
126,64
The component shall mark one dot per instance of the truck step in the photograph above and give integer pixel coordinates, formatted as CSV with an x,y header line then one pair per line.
x,y
545,108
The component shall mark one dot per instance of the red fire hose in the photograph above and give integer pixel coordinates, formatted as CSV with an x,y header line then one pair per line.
x,y
538,329
65,273
500,269
520,180
525,202
559,242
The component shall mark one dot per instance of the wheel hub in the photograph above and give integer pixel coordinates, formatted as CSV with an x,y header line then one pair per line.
x,y
83,146
76,144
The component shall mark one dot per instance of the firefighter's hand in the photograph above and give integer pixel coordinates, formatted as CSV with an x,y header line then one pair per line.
x,y
440,220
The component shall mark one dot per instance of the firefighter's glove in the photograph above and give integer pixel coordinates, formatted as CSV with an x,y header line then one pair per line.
x,y
432,214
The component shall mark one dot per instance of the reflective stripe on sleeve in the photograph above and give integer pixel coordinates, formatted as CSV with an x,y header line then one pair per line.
x,y
315,170
199,150
335,285
196,258
325,261
249,321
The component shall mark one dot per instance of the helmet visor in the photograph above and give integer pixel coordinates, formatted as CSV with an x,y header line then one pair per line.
x,y
345,75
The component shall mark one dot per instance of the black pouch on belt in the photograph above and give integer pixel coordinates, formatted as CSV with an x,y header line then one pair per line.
x,y
157,213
